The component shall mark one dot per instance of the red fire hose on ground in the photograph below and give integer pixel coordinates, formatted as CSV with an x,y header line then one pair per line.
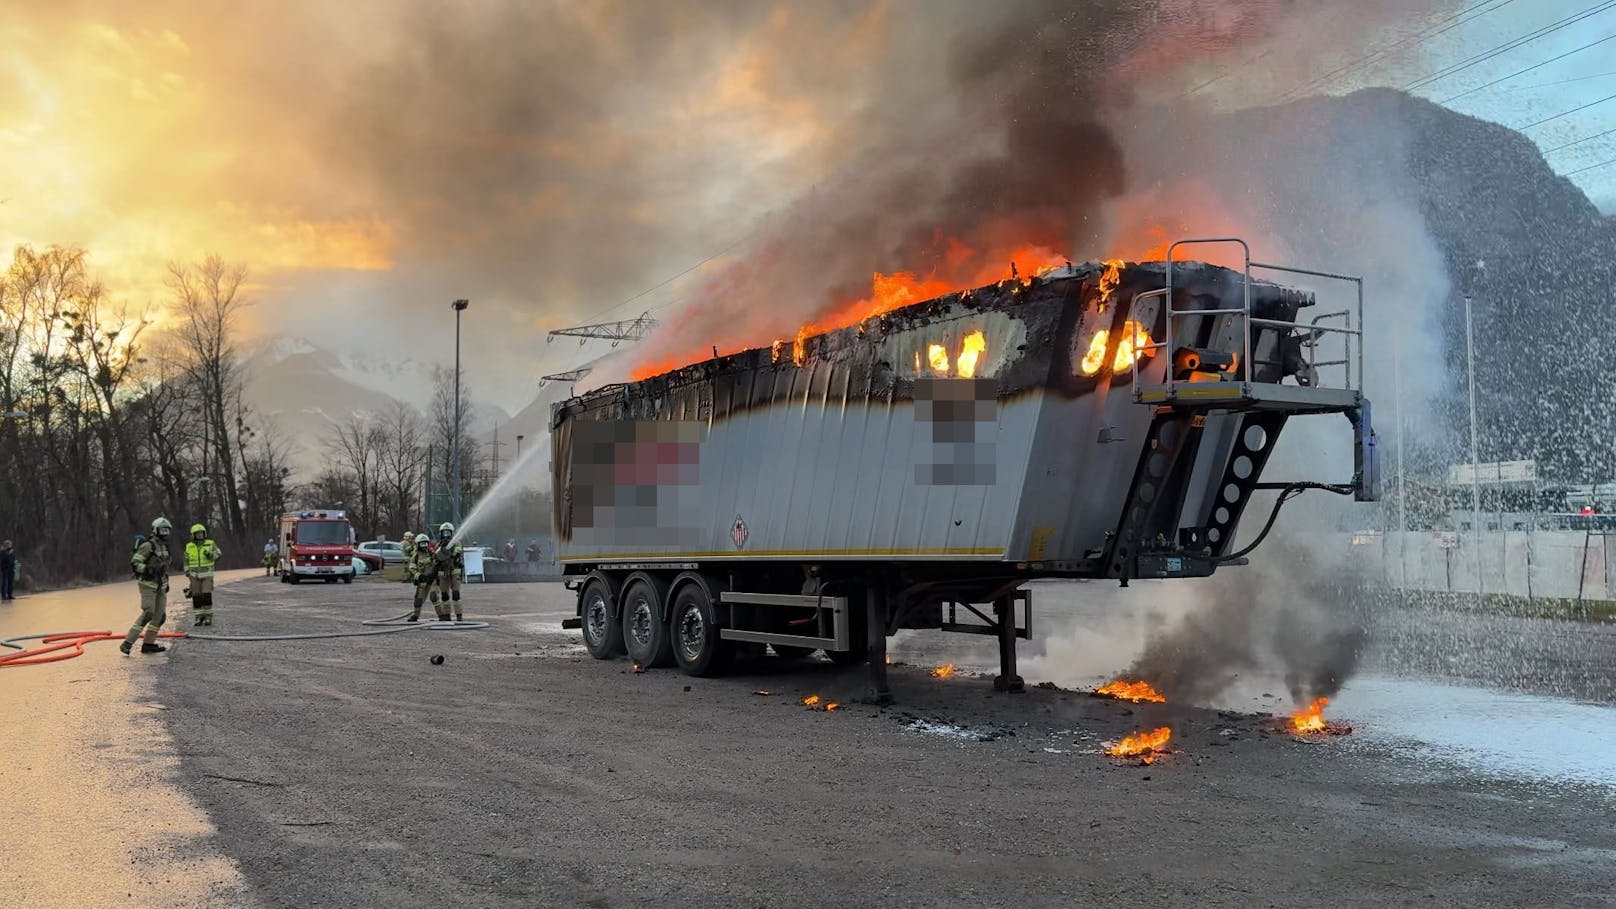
x,y
65,645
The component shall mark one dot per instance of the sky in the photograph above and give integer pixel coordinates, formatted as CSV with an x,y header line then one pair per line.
x,y
568,162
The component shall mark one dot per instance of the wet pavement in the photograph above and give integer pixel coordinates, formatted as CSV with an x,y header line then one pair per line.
x,y
170,781
91,810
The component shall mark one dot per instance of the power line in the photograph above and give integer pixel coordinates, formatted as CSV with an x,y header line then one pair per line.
x,y
1527,88
1508,46
1566,113
1419,37
1550,151
1588,168
672,278
1527,70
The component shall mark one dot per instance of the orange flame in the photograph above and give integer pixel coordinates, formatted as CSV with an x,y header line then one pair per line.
x,y
971,349
943,671
1109,279
1311,719
811,700
775,350
1131,691
1135,343
1143,745
638,668
799,347
831,706
937,356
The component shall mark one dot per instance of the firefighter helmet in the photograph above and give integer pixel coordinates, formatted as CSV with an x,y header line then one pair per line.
x,y
160,528
445,530
422,539
198,530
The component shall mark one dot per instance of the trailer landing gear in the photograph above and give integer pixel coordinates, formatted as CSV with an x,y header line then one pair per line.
x,y
875,636
1004,614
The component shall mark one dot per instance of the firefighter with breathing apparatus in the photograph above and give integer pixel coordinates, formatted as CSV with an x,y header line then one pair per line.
x,y
201,554
150,565
451,568
422,572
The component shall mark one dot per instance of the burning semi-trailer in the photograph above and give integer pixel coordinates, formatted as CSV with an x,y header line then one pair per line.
x,y
1105,420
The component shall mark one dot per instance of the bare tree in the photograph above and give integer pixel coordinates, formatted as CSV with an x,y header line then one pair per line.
x,y
208,301
403,466
443,434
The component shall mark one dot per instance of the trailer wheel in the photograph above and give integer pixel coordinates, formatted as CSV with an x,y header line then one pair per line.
x,y
787,652
645,634
694,625
603,637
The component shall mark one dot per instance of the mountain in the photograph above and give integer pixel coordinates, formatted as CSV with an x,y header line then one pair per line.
x,y
305,390
1432,206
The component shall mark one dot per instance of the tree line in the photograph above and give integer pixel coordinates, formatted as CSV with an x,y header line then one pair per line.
x,y
112,414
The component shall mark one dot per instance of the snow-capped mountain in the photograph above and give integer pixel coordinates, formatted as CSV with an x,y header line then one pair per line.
x,y
306,390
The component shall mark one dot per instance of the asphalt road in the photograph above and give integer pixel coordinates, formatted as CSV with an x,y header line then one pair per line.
x,y
520,772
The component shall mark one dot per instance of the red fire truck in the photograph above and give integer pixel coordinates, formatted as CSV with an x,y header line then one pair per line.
x,y
316,544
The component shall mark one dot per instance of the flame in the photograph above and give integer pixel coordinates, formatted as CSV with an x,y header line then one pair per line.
x,y
638,668
937,356
814,702
1131,691
973,347
1143,745
943,671
799,347
889,659
775,350
1135,343
811,700
1312,718
1109,279
831,706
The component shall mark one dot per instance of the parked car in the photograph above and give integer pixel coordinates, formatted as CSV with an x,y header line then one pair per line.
x,y
362,565
391,552
373,560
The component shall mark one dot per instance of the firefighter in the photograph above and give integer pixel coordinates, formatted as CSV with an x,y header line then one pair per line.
x,y
422,572
451,568
272,554
150,565
200,555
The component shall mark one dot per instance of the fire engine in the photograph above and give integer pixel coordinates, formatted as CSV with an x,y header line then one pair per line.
x,y
316,544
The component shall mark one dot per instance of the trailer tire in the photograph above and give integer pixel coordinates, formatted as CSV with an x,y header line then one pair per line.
x,y
603,634
645,628
694,633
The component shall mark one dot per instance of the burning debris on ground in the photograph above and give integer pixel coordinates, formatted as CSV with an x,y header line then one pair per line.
x,y
815,702
942,672
1124,690
1142,746
1310,720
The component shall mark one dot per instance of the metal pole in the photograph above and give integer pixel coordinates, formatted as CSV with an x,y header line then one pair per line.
x,y
1475,456
1402,478
517,465
454,493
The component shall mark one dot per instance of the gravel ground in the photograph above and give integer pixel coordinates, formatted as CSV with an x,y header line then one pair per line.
x,y
522,773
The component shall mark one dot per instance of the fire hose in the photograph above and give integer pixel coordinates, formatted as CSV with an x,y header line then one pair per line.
x,y
65,645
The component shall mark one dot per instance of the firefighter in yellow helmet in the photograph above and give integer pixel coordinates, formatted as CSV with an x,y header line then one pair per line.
x,y
150,565
408,545
201,554
421,569
451,568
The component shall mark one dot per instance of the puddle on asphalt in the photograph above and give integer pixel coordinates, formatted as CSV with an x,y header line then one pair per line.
x,y
1499,733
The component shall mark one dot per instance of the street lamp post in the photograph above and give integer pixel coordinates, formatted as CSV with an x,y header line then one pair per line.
x,y
459,307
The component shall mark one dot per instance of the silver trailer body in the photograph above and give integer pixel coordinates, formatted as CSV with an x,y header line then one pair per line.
x,y
980,427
